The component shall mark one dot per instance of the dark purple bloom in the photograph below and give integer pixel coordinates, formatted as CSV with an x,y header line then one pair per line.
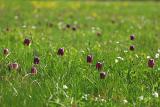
x,y
89,58
113,21
102,75
33,70
74,28
132,47
99,65
36,60
7,29
60,51
98,33
151,63
132,37
50,24
13,66
27,42
6,52
68,25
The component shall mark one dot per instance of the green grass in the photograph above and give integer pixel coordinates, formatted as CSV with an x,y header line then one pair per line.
x,y
126,80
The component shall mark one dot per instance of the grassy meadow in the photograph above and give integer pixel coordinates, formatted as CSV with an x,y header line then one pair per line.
x,y
102,30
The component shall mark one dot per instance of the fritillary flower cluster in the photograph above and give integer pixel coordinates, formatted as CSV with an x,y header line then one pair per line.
x,y
62,25
99,66
60,52
132,38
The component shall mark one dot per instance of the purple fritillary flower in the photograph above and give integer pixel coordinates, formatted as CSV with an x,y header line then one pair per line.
x,y
132,37
132,47
74,28
6,51
98,33
99,65
102,75
151,63
89,58
33,70
60,51
13,66
36,60
27,42
68,25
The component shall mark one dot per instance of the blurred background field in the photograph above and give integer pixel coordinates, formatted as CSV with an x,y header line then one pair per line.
x,y
69,81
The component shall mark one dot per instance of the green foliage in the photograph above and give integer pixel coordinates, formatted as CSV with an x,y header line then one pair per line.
x,y
69,80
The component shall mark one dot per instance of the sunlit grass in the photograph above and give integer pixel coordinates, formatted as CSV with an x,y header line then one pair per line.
x,y
45,44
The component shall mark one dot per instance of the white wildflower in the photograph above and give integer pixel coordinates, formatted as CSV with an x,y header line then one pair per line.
x,y
93,30
60,25
15,17
120,58
136,55
99,95
158,50
125,51
33,27
96,99
125,101
155,94
116,60
85,97
141,98
103,100
117,42
29,96
24,26
82,51
65,87
75,22
157,55
134,104
148,57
